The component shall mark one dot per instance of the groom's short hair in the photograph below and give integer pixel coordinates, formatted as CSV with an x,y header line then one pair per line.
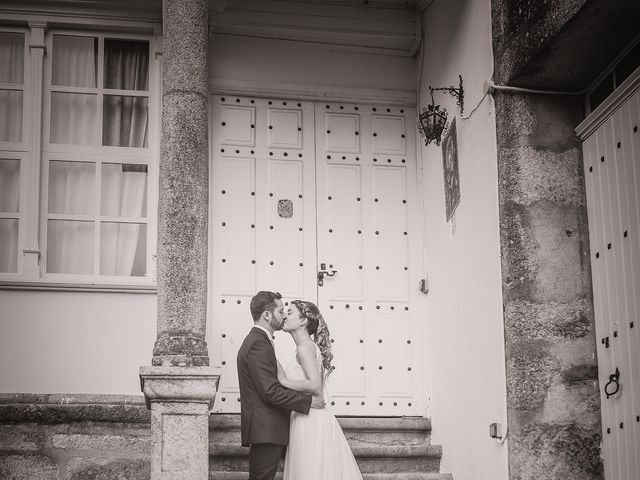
x,y
263,301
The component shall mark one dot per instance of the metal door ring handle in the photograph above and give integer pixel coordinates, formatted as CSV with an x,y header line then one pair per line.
x,y
613,379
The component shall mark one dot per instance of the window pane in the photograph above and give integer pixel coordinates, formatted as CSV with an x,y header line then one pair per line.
x,y
8,245
11,57
125,121
123,249
9,185
73,118
71,187
126,64
69,247
124,190
10,115
74,61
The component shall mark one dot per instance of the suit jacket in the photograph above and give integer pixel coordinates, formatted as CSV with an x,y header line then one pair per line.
x,y
265,405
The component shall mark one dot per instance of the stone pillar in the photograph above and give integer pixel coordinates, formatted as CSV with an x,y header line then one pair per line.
x,y
184,194
180,386
553,403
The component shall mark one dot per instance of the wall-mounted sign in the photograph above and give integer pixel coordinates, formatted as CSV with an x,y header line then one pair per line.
x,y
450,169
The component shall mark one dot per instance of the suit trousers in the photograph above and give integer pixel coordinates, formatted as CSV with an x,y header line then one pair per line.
x,y
263,460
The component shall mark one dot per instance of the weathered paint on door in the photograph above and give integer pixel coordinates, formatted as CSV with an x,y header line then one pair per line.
x,y
612,176
286,197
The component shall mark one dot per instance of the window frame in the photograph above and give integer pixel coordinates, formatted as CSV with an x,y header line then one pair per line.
x,y
20,215
19,150
21,146
37,209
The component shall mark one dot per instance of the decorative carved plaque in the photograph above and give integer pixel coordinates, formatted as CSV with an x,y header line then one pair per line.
x,y
285,208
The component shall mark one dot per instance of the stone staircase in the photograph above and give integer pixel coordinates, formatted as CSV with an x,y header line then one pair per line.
x,y
385,448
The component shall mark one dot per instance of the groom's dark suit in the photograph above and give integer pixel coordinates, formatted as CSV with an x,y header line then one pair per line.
x,y
265,405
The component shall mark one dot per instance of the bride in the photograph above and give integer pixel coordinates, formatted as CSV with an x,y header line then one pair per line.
x,y
318,450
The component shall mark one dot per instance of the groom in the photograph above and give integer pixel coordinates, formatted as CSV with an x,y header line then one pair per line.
x,y
265,405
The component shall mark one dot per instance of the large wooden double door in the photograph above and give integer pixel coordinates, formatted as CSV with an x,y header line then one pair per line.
x,y
299,188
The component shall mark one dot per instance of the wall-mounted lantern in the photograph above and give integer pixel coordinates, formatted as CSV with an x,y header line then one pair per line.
x,y
433,119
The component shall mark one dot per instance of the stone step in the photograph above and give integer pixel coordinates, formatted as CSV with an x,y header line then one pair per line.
x,y
367,437
221,421
389,465
370,460
397,448
361,450
365,476
358,430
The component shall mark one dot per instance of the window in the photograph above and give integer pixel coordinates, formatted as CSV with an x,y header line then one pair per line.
x,y
99,110
12,48
621,68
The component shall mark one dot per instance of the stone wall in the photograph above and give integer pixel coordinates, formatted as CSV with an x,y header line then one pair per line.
x,y
544,44
73,438
553,399
553,403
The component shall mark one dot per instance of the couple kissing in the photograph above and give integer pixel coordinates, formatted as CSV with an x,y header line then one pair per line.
x,y
283,408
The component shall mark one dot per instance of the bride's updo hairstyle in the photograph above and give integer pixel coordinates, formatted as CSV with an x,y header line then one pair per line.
x,y
317,327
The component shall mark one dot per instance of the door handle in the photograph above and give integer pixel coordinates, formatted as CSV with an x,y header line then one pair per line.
x,y
613,380
323,272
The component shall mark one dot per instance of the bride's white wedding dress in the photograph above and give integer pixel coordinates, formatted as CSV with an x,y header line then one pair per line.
x,y
318,450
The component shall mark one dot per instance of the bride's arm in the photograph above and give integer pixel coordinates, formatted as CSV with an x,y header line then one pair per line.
x,y
307,359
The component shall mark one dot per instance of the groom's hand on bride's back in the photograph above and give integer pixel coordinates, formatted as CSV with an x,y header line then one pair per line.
x,y
318,403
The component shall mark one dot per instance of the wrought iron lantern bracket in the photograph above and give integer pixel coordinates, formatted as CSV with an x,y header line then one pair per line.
x,y
454,92
433,119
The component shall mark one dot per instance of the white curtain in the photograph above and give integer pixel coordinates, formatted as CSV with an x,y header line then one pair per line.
x,y
74,115
123,245
11,72
9,198
123,186
8,245
70,243
126,117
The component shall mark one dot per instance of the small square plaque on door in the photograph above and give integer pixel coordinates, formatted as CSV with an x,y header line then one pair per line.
x,y
285,208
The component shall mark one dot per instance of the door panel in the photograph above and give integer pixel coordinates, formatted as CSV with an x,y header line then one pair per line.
x,y
611,180
237,274
345,218
390,234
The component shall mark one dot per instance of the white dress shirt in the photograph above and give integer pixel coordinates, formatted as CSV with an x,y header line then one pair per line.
x,y
269,334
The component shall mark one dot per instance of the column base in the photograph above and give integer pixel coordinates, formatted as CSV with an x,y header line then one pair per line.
x,y
180,399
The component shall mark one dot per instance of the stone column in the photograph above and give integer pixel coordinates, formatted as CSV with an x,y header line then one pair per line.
x,y
180,386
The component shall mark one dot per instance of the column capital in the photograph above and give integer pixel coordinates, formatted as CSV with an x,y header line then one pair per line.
x,y
179,384
37,29
37,24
